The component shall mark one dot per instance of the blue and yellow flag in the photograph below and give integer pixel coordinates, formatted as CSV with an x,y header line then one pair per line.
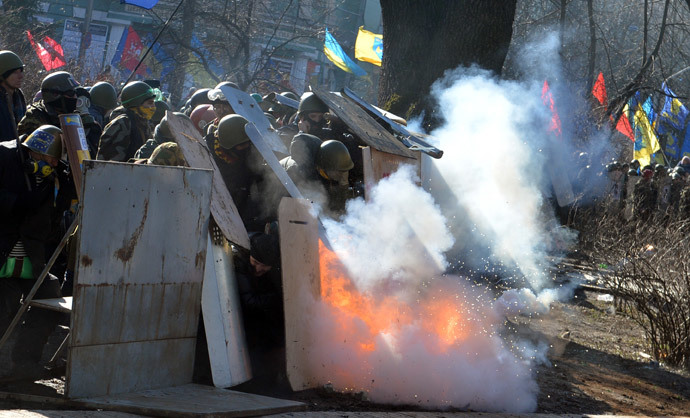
x,y
338,57
646,141
369,46
671,123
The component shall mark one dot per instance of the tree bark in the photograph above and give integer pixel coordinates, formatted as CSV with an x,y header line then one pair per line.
x,y
422,39
177,76
592,52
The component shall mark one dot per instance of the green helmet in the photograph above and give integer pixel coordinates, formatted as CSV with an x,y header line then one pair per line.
x,y
104,95
311,104
9,61
161,107
57,83
135,93
199,97
46,140
162,132
290,95
231,131
334,156
257,97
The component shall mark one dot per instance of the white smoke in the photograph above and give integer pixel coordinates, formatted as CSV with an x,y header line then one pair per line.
x,y
493,163
382,240
434,341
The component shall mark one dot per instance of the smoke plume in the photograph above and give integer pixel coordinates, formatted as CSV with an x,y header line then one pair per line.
x,y
391,325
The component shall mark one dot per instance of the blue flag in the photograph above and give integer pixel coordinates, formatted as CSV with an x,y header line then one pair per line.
x,y
671,123
338,57
146,4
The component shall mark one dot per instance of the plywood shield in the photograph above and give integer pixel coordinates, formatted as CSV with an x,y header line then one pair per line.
x,y
299,247
196,154
220,304
137,286
362,125
245,105
379,165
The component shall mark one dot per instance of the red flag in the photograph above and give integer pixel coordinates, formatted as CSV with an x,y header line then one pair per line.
x,y
599,90
132,52
623,125
51,55
547,98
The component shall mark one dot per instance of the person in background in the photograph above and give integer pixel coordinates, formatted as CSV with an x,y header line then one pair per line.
x,y
12,102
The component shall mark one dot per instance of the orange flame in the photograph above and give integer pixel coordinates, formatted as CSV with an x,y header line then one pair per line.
x,y
441,317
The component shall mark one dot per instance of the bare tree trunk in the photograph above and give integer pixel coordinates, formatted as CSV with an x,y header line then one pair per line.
x,y
422,39
561,33
645,31
592,54
176,83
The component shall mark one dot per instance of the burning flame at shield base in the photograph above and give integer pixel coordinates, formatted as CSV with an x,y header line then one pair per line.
x,y
438,346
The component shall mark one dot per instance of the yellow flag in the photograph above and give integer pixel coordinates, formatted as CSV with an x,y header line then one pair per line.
x,y
369,46
646,141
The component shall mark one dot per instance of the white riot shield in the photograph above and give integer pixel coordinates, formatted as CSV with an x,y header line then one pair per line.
x,y
220,304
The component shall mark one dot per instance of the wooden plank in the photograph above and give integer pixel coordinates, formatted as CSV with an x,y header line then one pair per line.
x,y
107,369
362,125
56,304
410,139
379,165
196,154
301,281
137,288
76,146
193,401
220,303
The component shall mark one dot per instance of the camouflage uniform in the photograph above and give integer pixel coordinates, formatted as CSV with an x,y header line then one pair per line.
x,y
167,153
644,198
684,205
123,136
37,114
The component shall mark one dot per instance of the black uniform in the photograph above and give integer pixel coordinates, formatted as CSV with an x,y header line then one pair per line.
x,y
25,216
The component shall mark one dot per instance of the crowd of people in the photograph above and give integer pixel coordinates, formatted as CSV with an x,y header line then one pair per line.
x,y
37,192
654,191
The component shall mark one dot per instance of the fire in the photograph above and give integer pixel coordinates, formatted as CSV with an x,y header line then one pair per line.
x,y
440,316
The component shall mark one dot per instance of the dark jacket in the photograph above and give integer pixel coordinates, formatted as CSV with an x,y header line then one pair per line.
x,y
24,213
9,118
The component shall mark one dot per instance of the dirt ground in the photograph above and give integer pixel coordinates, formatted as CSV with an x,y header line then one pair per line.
x,y
598,365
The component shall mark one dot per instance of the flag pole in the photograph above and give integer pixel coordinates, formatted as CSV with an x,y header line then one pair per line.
x,y
165,25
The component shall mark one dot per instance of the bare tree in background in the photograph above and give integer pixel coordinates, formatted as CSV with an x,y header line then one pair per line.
x,y
422,39
241,36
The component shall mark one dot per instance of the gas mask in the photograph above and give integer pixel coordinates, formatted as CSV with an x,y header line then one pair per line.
x,y
40,168
83,104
